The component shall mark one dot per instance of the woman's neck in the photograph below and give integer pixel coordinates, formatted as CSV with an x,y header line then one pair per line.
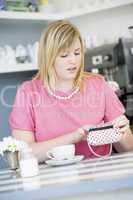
x,y
64,86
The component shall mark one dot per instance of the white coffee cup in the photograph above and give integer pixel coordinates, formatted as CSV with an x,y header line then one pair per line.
x,y
62,152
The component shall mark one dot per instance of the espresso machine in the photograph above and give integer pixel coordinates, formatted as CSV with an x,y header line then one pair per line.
x,y
115,62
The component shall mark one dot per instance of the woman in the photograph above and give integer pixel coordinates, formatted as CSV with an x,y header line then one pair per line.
x,y
51,109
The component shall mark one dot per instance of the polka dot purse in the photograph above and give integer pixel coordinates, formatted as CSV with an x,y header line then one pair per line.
x,y
101,135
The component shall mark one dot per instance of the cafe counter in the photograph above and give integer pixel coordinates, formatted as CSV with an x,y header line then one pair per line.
x,y
107,178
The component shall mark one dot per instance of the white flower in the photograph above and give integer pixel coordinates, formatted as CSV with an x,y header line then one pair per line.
x,y
1,148
11,144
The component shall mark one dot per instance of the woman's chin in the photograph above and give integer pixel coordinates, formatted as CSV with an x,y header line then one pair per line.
x,y
72,75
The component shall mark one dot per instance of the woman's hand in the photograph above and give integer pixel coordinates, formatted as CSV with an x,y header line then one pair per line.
x,y
79,135
126,142
122,123
86,128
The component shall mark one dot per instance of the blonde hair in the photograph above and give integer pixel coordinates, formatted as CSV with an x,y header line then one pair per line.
x,y
59,36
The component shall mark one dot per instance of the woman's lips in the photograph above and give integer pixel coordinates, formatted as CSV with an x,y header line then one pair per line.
x,y
71,69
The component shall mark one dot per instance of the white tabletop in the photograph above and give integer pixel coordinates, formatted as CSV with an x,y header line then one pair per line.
x,y
95,176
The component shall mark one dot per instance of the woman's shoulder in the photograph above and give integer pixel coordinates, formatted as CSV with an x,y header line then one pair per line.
x,y
95,79
30,85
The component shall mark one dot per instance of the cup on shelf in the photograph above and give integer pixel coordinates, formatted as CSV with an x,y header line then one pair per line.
x,y
33,52
2,55
21,54
7,55
10,55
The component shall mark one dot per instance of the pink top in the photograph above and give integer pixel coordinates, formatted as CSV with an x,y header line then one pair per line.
x,y
37,111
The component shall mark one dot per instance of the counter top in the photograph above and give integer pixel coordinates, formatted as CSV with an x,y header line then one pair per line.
x,y
103,178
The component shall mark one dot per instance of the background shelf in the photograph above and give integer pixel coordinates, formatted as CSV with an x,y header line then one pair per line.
x,y
17,68
86,9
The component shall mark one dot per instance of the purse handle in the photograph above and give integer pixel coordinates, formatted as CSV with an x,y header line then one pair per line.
x,y
98,155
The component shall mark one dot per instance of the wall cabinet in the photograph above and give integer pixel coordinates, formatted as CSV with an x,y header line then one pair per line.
x,y
25,28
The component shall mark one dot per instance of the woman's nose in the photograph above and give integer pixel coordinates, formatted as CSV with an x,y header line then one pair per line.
x,y
72,59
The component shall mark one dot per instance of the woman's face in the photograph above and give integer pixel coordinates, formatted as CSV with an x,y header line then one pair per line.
x,y
68,62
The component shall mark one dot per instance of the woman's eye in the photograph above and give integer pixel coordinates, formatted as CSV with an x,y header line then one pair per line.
x,y
77,53
67,54
64,55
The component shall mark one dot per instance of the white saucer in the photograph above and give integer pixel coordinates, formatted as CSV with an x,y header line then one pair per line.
x,y
53,162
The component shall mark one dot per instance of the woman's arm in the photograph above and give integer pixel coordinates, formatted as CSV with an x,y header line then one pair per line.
x,y
40,148
126,142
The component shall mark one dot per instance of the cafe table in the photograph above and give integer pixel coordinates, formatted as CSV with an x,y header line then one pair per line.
x,y
107,178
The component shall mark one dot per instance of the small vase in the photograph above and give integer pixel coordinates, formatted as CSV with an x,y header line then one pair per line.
x,y
12,159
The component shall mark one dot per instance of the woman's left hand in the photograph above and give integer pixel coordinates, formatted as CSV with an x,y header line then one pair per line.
x,y
122,123
126,142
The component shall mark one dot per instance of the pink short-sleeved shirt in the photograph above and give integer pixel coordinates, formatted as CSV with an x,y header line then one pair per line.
x,y
37,111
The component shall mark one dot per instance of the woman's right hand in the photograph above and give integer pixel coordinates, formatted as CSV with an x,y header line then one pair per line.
x,y
79,135
86,129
